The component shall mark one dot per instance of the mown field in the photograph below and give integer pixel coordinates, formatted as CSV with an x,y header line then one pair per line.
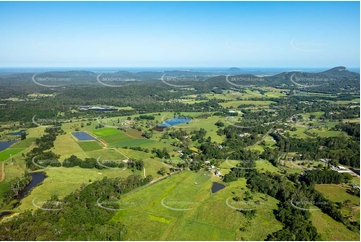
x,y
182,207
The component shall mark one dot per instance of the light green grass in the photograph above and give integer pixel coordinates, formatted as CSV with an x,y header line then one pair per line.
x,y
131,143
62,181
330,229
24,143
65,145
235,104
336,193
5,154
106,132
90,145
208,217
108,154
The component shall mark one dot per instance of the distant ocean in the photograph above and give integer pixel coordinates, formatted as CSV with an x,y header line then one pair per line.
x,y
255,70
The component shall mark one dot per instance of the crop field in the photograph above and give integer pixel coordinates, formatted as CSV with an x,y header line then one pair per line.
x,y
182,207
66,145
135,134
111,135
6,154
90,145
131,143
105,132
24,143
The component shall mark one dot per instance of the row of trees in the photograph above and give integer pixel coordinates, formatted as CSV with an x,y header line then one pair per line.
x,y
326,177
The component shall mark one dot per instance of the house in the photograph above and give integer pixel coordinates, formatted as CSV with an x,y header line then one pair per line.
x,y
244,134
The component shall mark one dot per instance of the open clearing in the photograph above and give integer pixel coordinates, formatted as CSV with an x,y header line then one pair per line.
x,y
155,211
329,229
62,181
6,154
336,193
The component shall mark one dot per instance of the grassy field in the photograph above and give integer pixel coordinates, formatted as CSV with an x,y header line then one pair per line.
x,y
206,216
108,154
66,145
105,132
336,193
62,181
329,229
235,104
111,135
6,154
24,143
90,145
131,143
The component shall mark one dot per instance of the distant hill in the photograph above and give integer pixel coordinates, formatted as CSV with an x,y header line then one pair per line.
x,y
234,69
339,71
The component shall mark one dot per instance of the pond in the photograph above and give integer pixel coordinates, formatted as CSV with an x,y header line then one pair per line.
x,y
36,178
83,136
217,186
3,214
18,133
6,144
174,121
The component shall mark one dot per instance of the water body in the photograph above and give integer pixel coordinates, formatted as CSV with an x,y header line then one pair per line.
x,y
36,178
83,136
217,186
6,144
17,133
174,121
3,214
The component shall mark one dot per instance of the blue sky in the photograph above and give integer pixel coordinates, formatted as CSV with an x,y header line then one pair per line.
x,y
179,34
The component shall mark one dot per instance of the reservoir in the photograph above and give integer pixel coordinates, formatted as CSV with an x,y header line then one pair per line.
x,y
36,178
174,121
18,133
3,214
83,136
6,144
217,186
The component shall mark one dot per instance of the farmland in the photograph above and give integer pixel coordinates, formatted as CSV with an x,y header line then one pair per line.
x,y
181,162
202,210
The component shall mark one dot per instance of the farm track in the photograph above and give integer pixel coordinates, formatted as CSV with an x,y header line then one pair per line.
x,y
153,182
3,163
2,171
